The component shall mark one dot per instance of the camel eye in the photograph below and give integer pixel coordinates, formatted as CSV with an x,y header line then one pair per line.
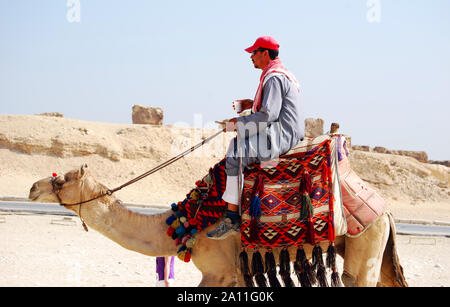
x,y
59,180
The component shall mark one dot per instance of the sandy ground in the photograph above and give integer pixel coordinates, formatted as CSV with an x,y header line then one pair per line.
x,y
46,250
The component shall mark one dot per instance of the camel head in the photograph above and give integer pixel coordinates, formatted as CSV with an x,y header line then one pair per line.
x,y
70,188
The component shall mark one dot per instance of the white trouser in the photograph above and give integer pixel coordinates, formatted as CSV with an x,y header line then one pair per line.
x,y
232,189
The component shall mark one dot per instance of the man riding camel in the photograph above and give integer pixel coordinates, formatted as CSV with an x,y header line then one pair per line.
x,y
275,125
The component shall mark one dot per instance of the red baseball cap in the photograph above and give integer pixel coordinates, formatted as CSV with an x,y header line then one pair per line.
x,y
266,42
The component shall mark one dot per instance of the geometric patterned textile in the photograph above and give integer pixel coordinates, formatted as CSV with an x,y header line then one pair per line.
x,y
202,207
204,203
281,223
285,202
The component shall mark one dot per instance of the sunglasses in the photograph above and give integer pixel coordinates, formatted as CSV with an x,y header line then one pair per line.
x,y
257,50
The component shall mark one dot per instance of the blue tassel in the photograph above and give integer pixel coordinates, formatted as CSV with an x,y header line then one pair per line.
x,y
171,219
255,201
255,206
182,249
180,230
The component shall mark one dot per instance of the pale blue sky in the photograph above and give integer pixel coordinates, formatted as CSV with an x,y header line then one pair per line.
x,y
387,83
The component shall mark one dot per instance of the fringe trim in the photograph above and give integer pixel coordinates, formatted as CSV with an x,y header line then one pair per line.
x,y
258,270
302,268
308,274
331,263
243,259
285,268
271,269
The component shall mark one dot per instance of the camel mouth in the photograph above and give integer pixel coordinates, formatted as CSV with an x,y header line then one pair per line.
x,y
34,193
32,196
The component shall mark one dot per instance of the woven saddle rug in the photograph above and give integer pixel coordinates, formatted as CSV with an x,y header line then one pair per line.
x,y
291,202
296,202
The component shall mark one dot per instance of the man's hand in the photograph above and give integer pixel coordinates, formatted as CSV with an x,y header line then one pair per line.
x,y
230,124
241,105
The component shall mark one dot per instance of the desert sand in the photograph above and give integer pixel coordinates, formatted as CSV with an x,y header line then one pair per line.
x,y
46,250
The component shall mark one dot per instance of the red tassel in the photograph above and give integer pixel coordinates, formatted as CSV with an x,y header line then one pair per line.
x,y
305,183
187,255
253,230
310,234
331,234
258,186
170,231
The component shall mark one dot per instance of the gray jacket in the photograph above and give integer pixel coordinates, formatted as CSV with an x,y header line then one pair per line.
x,y
280,118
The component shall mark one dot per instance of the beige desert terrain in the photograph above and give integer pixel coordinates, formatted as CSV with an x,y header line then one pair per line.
x,y
46,250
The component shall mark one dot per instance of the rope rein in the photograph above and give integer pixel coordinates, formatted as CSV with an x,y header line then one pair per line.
x,y
153,170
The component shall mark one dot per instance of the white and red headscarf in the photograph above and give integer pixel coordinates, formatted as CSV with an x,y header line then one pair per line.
x,y
274,67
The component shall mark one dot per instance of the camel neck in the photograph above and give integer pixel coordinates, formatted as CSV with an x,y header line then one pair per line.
x,y
143,233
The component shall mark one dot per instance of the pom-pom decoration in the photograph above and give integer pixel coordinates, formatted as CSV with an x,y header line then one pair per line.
x,y
170,219
175,224
170,231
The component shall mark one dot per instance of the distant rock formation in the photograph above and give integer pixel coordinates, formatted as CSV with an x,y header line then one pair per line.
x,y
147,115
445,162
362,148
30,143
418,155
313,127
51,114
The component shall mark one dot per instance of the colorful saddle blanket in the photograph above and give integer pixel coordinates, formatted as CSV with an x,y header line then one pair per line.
x,y
296,201
283,221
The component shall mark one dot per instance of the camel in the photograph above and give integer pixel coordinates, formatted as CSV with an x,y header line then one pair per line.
x,y
369,260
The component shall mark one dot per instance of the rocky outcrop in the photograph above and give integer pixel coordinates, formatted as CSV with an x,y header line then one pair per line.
x,y
147,115
313,127
418,155
402,178
67,138
445,162
362,148
27,141
51,114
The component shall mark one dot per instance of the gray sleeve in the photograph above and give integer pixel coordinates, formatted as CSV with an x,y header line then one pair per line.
x,y
272,99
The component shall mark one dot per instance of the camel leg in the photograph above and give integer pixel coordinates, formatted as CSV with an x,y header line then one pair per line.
x,y
218,260
364,255
391,270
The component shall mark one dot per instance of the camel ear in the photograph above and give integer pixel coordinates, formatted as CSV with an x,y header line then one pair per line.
x,y
60,180
83,169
